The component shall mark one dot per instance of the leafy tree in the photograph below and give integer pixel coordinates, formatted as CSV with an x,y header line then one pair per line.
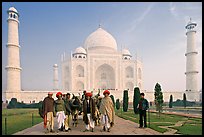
x,y
158,98
112,97
136,99
184,100
125,100
12,103
171,101
117,104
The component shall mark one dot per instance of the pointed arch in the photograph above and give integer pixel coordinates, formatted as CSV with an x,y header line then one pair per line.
x,y
129,72
80,71
79,86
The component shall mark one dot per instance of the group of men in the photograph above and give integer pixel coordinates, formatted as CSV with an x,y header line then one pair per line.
x,y
61,108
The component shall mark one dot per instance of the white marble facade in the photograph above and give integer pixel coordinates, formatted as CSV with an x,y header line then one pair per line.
x,y
99,65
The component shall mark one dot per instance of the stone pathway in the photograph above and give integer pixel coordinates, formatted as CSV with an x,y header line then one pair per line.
x,y
121,127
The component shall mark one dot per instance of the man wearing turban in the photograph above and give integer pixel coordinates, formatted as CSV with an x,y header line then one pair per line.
x,y
89,112
60,109
48,110
107,111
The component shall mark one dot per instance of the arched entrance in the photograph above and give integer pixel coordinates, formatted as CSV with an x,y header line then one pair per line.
x,y
105,77
79,86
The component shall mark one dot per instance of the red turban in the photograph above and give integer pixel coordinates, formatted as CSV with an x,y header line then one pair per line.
x,y
106,92
58,93
88,94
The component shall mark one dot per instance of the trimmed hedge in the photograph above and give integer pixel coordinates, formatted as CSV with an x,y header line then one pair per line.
x,y
125,100
15,104
171,102
136,99
117,104
112,97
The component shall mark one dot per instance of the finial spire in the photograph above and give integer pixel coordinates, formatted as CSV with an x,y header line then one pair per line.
x,y
100,25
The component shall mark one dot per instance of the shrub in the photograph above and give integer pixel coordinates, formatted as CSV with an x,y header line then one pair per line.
x,y
117,104
136,99
12,103
112,97
125,101
171,101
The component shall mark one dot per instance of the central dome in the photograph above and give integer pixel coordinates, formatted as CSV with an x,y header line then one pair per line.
x,y
100,39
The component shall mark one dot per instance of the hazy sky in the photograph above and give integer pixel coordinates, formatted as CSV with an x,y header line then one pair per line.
x,y
153,31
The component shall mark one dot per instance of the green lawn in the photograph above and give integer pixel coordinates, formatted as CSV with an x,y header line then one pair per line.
x,y
19,119
189,129
192,126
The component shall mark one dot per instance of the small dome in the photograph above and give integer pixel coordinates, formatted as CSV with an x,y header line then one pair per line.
x,y
190,23
100,39
80,50
126,52
13,9
55,65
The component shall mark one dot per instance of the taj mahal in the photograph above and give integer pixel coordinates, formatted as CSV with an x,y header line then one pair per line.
x,y
96,65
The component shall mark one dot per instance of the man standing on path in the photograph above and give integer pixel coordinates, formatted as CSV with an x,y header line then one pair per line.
x,y
48,110
89,109
107,111
60,109
68,105
143,106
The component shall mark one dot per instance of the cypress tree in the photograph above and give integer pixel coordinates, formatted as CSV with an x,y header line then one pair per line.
x,y
117,104
136,99
171,101
158,98
112,97
184,100
125,100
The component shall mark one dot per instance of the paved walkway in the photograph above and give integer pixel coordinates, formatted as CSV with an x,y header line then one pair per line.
x,y
121,127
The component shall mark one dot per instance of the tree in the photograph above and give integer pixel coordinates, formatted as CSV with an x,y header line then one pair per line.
x,y
117,104
184,100
112,97
136,99
171,101
158,98
12,103
125,100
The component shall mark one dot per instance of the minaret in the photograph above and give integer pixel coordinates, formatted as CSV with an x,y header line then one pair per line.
x,y
55,80
191,73
13,68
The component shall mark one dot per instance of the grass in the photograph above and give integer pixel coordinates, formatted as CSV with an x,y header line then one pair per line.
x,y
19,119
189,129
194,124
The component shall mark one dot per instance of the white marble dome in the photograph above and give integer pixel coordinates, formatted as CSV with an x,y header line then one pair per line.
x,y
126,52
13,9
80,50
100,39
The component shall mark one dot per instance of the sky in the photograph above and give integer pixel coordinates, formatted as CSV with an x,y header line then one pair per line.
x,y
155,32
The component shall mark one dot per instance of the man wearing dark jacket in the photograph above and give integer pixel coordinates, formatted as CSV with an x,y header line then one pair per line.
x,y
48,110
89,108
68,105
143,106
